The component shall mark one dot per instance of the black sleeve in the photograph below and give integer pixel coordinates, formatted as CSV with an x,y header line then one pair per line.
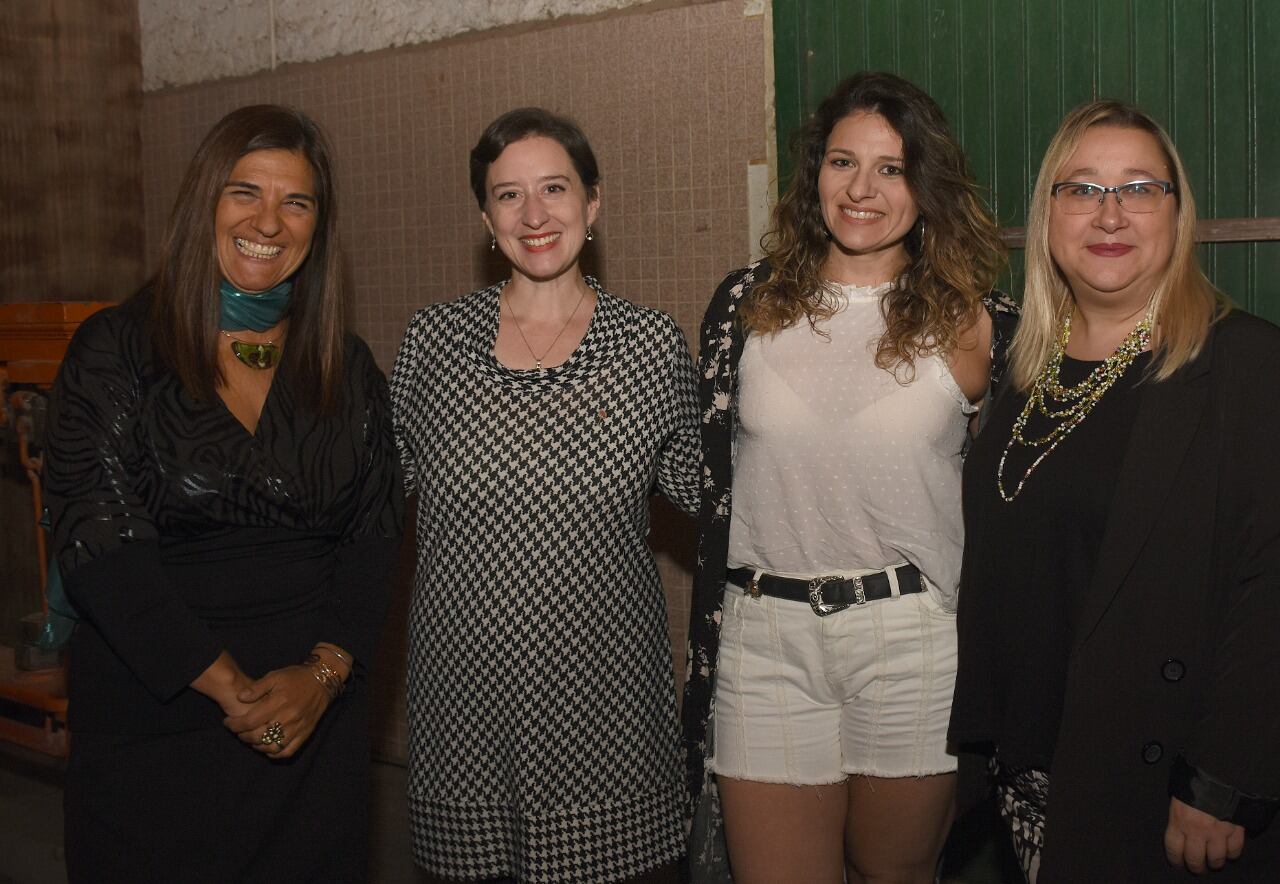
x,y
361,582
104,537
1238,728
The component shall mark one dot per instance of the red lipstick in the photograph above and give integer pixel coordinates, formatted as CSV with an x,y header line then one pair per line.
x,y
1110,249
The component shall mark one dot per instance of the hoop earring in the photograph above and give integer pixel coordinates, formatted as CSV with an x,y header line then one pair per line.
x,y
589,236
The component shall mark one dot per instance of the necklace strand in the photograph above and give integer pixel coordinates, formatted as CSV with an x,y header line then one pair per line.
x,y
1075,403
536,358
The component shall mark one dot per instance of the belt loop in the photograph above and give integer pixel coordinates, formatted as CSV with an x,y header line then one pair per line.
x,y
895,591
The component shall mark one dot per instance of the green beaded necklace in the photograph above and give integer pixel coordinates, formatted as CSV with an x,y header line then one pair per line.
x,y
1078,401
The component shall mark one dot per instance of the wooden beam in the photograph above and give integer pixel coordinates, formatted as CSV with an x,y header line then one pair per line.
x,y
1238,230
1014,237
1207,230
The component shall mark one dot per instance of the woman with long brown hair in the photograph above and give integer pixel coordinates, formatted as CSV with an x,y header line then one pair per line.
x,y
838,379
226,504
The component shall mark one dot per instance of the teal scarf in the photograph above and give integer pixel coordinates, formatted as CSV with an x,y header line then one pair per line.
x,y
258,311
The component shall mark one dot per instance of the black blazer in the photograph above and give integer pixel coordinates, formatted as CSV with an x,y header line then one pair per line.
x,y
1178,647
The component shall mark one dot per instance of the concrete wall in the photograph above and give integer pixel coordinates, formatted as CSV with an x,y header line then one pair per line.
x,y
192,41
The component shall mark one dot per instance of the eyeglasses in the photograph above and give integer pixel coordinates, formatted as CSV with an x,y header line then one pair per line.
x,y
1084,197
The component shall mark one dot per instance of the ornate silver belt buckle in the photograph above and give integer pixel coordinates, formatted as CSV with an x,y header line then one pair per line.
x,y
822,608
753,588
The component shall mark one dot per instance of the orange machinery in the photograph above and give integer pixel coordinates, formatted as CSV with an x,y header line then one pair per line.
x,y
33,339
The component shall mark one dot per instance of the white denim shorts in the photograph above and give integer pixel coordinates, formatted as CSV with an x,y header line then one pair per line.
x,y
810,700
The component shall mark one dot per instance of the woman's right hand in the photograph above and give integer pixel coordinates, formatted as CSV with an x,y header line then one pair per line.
x,y
222,682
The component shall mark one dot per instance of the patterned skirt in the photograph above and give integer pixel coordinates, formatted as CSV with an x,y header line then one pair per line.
x,y
1022,796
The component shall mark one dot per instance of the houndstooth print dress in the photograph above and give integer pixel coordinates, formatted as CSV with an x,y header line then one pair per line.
x,y
544,743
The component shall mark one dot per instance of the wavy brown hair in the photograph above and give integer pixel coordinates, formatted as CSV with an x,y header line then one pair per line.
x,y
186,305
955,253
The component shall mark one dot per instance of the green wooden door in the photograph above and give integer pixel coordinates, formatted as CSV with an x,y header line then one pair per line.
x,y
1005,71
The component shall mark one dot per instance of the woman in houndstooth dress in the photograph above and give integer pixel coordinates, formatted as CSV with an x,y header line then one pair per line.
x,y
535,419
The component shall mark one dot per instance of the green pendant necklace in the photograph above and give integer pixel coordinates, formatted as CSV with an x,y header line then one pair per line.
x,y
260,356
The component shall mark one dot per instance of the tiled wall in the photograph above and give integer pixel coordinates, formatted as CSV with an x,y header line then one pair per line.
x,y
673,100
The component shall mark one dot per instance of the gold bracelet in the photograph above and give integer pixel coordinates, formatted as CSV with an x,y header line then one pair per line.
x,y
333,649
324,674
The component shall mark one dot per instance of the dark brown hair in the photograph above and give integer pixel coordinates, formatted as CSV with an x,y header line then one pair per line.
x,y
526,122
186,306
955,253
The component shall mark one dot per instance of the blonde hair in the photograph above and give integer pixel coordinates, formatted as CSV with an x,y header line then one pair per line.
x,y
1184,303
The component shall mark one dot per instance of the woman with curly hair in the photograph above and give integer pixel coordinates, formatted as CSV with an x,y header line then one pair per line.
x,y
838,382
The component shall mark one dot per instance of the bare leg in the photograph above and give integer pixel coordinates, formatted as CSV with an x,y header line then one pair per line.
x,y
896,827
778,833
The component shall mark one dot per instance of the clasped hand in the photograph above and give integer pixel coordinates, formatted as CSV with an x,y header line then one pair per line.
x,y
291,698
1199,841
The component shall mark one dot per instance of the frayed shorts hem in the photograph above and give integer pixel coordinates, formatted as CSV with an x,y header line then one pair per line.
x,y
781,781
823,781
828,781
899,775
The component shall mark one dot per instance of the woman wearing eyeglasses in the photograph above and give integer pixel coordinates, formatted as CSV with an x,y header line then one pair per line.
x,y
1120,602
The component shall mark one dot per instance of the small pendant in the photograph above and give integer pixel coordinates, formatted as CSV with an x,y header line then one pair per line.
x,y
538,364
259,356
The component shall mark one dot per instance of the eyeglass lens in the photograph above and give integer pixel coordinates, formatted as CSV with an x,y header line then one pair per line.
x,y
1084,198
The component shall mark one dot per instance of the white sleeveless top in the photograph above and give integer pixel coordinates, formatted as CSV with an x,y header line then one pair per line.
x,y
838,467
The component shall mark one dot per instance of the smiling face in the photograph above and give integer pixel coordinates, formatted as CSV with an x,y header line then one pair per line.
x,y
265,219
1112,257
537,208
866,203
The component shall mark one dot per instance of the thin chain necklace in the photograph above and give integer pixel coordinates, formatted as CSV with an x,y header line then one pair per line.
x,y
254,354
536,358
1076,402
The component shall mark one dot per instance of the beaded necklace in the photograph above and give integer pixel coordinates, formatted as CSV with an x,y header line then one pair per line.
x,y
1075,402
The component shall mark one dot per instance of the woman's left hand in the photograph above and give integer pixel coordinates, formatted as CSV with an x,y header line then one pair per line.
x,y
1198,840
290,701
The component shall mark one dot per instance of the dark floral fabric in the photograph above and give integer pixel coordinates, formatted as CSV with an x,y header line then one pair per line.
x,y
721,339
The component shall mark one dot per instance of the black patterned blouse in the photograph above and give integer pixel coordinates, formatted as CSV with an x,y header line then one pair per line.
x,y
720,349
180,533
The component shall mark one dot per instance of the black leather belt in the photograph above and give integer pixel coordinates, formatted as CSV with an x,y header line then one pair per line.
x,y
826,595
